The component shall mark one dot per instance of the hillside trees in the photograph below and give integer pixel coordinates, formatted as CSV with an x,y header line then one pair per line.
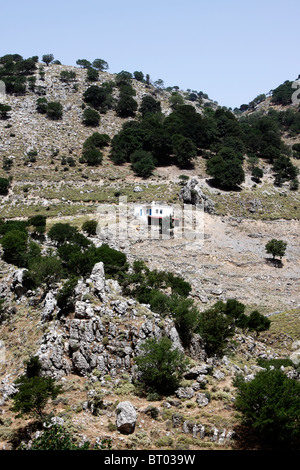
x,y
227,171
15,246
33,391
100,65
99,98
269,405
142,163
83,63
15,71
91,151
4,186
47,58
160,367
276,248
283,93
92,74
91,117
54,110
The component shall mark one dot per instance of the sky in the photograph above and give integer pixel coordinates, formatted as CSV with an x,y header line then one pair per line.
x,y
233,50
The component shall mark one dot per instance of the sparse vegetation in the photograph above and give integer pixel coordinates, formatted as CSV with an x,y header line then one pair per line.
x,y
118,343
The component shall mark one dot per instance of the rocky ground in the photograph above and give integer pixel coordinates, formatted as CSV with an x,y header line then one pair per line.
x,y
91,352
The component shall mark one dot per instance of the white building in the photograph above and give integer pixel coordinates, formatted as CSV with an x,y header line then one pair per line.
x,y
154,213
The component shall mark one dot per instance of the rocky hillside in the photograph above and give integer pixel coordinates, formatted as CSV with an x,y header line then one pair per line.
x,y
92,350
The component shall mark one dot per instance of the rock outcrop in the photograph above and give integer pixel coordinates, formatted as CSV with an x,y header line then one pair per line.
x,y
192,193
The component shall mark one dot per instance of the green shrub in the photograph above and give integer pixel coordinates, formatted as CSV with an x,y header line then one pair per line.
x,y
43,270
91,117
54,110
15,244
62,232
90,227
92,157
66,296
34,391
160,367
270,406
4,186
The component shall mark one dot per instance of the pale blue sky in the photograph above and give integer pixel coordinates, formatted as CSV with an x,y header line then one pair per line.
x,y
232,50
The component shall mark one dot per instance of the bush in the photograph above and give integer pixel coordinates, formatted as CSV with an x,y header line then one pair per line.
x,y
90,227
142,163
54,110
276,248
43,270
41,105
160,368
62,232
34,391
4,186
14,244
270,406
92,157
91,117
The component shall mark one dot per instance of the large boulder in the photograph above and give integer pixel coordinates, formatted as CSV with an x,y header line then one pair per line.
x,y
126,417
17,283
192,193
98,278
49,306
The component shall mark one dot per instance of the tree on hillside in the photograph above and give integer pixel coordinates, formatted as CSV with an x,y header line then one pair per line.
x,y
92,74
54,110
100,64
98,97
47,58
142,163
160,367
139,76
4,186
270,406
227,173
257,173
284,170
149,105
34,391
184,150
4,109
258,322
91,117
14,244
276,248
283,93
83,63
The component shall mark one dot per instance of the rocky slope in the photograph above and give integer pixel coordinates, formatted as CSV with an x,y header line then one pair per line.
x,y
91,352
